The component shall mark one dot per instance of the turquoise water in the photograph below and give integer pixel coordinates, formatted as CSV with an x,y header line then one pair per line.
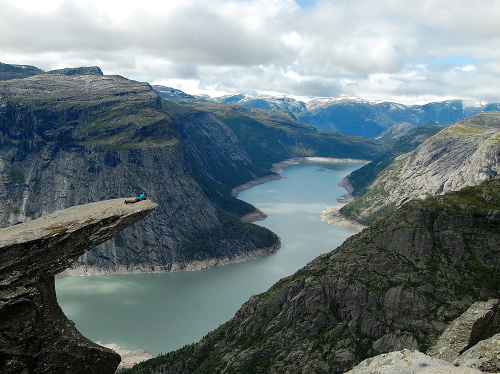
x,y
163,312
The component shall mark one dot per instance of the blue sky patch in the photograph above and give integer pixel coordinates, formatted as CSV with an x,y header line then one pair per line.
x,y
449,61
305,3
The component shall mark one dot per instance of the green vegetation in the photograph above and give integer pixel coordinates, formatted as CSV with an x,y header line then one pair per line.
x,y
213,242
477,202
16,176
463,129
58,229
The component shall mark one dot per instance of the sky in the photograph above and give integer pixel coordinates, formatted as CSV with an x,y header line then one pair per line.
x,y
398,50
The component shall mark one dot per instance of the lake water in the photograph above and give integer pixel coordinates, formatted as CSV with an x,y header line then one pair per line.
x,y
163,312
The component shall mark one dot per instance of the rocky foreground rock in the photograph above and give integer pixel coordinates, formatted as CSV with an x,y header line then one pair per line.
x,y
469,345
35,335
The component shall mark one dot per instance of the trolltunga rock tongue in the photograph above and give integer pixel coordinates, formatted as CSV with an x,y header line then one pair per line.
x,y
35,335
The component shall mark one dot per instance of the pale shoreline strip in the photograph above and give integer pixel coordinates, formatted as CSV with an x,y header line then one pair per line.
x,y
129,357
332,216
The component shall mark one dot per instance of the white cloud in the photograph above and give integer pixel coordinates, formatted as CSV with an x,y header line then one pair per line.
x,y
386,49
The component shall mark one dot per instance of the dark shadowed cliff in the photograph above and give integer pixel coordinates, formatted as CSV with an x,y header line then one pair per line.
x,y
394,285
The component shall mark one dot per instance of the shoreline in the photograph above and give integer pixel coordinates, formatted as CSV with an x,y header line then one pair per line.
x,y
129,357
92,271
332,216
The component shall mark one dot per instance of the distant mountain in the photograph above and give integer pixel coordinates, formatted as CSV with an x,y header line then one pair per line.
x,y
8,71
369,118
463,154
264,102
361,117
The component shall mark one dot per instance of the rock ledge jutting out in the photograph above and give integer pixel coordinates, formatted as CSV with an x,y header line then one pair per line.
x,y
35,335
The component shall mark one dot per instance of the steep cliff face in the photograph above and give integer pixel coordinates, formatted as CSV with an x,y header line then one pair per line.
x,y
73,139
464,154
35,335
395,285
273,136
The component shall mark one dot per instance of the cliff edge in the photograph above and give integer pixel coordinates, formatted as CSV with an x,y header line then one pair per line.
x,y
35,335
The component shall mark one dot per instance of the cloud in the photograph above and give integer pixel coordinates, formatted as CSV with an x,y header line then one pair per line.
x,y
385,49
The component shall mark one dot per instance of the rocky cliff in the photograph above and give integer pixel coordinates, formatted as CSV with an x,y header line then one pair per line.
x,y
35,335
73,136
470,344
395,285
463,154
72,139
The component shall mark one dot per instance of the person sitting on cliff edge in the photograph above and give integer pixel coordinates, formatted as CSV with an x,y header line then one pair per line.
x,y
141,197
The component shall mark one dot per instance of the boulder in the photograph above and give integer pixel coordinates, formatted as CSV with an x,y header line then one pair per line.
x,y
479,322
408,362
484,356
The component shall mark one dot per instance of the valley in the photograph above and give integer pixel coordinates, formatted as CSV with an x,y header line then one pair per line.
x,y
428,194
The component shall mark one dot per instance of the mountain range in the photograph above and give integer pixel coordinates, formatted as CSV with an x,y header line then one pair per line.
x,y
358,116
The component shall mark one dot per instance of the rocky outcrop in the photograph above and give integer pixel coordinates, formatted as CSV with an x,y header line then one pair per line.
x,y
481,321
473,330
395,285
464,154
408,362
35,335
483,356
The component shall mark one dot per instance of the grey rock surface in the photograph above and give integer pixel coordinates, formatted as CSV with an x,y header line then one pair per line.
x,y
408,362
35,335
466,153
484,356
479,322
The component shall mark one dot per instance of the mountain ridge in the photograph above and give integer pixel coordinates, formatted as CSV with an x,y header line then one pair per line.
x,y
361,116
465,153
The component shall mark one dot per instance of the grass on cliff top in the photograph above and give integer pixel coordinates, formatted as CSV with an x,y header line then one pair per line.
x,y
482,199
463,129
